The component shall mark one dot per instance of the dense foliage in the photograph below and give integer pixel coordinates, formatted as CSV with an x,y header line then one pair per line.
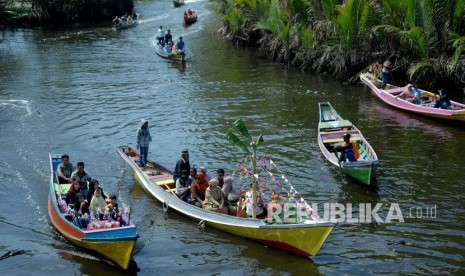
x,y
63,11
425,39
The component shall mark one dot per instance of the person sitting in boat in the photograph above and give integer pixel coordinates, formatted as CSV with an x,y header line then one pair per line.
x,y
181,46
174,49
203,169
160,35
64,170
116,20
444,100
71,195
416,95
349,151
168,37
183,190
113,210
229,192
93,186
81,176
81,217
198,189
260,210
166,48
181,164
130,21
81,206
97,205
214,198
192,173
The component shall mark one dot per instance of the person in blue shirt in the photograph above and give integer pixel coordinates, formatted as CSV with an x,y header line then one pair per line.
x,y
181,46
444,100
167,48
415,95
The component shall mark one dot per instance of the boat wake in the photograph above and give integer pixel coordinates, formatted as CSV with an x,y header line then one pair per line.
x,y
18,104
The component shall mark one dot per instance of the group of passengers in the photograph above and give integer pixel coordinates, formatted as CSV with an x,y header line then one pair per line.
x,y
413,95
125,19
166,41
85,196
215,194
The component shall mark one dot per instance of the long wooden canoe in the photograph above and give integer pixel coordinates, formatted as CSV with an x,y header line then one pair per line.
x,y
389,96
160,52
114,244
331,128
304,238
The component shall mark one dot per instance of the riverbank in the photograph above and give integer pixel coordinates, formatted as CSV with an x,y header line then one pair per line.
x,y
28,13
426,45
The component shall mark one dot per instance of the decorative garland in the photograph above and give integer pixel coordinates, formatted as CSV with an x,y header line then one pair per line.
x,y
245,176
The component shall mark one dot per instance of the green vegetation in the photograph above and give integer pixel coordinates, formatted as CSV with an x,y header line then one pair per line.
x,y
424,38
33,12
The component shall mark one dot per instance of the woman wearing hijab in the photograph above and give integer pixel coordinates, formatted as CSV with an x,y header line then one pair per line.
x,y
198,189
214,198
98,204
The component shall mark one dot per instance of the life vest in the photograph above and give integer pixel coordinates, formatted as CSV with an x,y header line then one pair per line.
x,y
353,149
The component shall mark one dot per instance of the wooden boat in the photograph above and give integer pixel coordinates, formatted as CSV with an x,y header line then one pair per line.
x,y
389,96
178,3
331,128
190,17
124,25
304,238
160,52
114,244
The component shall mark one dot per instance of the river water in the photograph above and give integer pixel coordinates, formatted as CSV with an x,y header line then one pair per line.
x,y
84,90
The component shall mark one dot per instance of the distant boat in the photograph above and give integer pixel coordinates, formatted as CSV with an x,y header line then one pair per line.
x,y
190,17
303,238
122,25
113,242
331,128
162,53
456,113
178,3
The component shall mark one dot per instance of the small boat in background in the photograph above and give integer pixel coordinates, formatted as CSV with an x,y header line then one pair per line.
x,y
426,108
190,17
104,237
162,53
123,22
331,128
178,3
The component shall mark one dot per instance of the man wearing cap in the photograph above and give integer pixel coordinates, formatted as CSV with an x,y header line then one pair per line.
x,y
182,164
348,149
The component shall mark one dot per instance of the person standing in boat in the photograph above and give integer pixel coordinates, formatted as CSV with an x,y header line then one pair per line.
x,y
160,35
183,189
348,150
64,170
181,165
386,73
168,37
143,140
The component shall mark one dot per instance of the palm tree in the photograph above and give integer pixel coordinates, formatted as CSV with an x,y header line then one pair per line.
x,y
241,127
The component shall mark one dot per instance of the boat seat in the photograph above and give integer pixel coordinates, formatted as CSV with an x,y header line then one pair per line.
x,y
337,140
165,182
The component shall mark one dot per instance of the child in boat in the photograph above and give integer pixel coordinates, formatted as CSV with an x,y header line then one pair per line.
x,y
97,205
